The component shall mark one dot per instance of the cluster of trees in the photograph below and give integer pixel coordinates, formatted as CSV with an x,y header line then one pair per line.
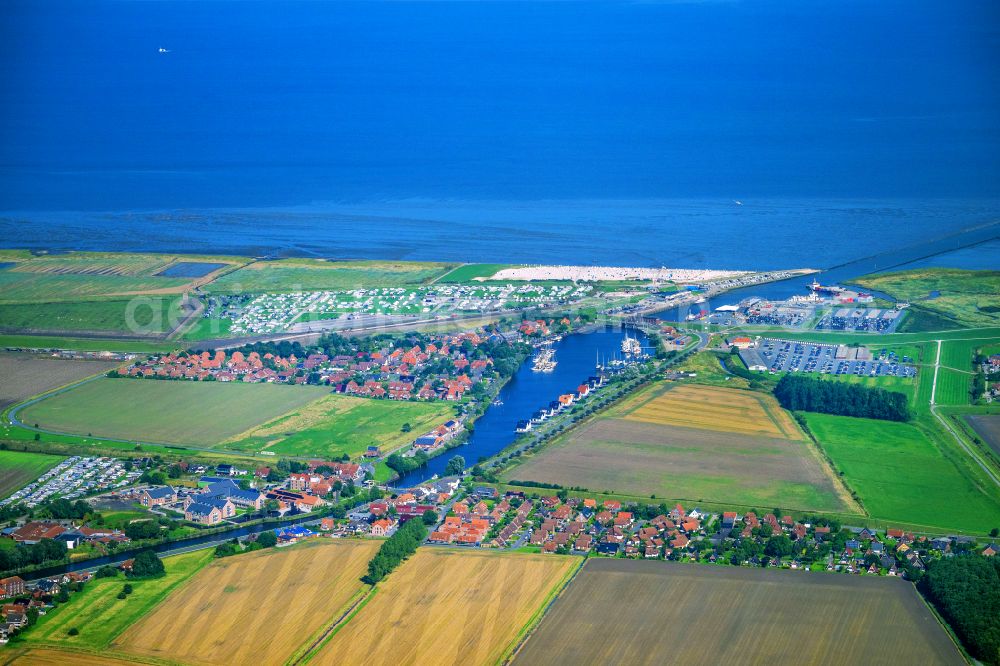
x,y
966,591
455,466
63,509
106,571
402,465
46,550
395,549
829,397
148,529
266,539
147,564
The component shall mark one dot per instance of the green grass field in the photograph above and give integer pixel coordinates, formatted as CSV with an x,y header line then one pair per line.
x,y
78,276
709,370
170,412
470,272
17,287
909,472
316,275
96,263
208,329
953,387
100,617
119,519
150,315
337,424
18,469
967,298
84,344
957,354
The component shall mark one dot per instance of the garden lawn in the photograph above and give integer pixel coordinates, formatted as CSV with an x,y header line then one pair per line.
x,y
902,472
171,412
18,469
338,424
100,616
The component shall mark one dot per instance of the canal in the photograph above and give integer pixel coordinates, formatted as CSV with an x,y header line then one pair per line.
x,y
526,393
182,545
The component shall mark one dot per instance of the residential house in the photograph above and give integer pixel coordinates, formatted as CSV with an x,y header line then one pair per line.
x,y
381,527
157,496
206,514
11,586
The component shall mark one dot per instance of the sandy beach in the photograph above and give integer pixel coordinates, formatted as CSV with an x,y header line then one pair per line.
x,y
605,273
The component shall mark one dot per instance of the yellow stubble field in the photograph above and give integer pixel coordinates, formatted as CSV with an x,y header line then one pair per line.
x,y
257,608
710,408
447,606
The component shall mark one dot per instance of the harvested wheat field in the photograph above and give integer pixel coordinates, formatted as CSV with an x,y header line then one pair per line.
x,y
257,608
714,408
445,606
635,612
54,657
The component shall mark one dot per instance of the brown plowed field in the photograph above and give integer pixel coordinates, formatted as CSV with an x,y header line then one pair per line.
x,y
692,443
636,612
25,375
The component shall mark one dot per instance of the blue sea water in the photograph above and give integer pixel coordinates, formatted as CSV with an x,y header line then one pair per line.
x,y
570,132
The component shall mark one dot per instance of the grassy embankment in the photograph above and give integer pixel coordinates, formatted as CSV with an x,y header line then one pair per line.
x,y
472,272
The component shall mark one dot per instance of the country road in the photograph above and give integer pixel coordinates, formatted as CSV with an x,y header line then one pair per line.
x,y
965,447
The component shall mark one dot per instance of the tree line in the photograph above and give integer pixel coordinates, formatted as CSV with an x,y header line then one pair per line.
x,y
796,392
395,549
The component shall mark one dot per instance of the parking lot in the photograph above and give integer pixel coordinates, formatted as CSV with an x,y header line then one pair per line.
x,y
861,320
777,356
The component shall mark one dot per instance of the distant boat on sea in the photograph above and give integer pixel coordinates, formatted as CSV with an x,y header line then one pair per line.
x,y
163,50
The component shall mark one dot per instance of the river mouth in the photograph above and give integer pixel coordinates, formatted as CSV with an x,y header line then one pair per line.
x,y
576,357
